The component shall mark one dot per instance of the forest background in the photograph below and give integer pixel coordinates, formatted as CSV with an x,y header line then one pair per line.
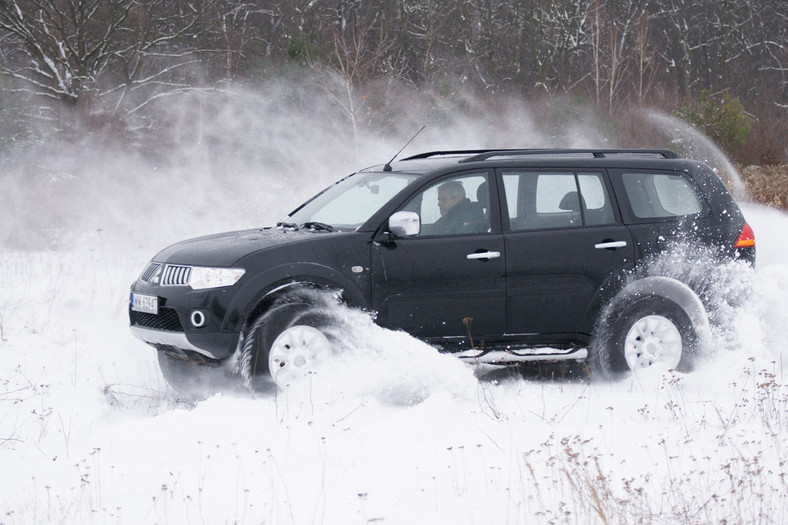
x,y
110,68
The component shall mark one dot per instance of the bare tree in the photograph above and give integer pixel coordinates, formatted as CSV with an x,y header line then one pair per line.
x,y
766,53
244,29
557,33
616,32
360,54
99,56
643,58
106,61
57,48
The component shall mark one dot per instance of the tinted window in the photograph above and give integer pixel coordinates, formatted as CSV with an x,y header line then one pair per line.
x,y
456,205
660,195
597,209
539,200
556,193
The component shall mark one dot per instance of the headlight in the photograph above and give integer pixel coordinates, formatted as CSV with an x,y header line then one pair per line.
x,y
202,278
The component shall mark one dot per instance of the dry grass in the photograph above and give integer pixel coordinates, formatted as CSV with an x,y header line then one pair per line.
x,y
768,184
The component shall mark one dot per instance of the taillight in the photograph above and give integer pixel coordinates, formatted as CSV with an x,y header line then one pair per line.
x,y
746,237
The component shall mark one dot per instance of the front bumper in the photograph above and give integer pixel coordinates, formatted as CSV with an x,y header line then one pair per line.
x,y
173,327
174,339
213,345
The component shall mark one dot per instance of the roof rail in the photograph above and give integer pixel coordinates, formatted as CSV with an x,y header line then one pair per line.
x,y
484,154
429,154
596,153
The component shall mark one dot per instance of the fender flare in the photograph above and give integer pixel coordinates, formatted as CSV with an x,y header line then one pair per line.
x,y
673,290
265,286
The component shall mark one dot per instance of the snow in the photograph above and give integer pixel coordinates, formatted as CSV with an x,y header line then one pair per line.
x,y
390,432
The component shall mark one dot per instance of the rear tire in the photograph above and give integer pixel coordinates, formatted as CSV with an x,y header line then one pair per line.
x,y
641,333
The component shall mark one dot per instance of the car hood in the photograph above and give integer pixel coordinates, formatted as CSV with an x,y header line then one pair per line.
x,y
224,249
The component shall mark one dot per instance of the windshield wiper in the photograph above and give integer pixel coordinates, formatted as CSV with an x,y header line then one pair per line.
x,y
317,226
287,225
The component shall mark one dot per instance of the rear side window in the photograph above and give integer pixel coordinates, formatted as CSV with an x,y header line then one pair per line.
x,y
660,195
541,200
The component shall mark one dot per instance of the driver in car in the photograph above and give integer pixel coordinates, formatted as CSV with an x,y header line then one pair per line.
x,y
458,213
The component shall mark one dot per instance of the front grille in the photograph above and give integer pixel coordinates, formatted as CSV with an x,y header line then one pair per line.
x,y
167,319
176,275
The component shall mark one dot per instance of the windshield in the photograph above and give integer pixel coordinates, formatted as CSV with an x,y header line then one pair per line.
x,y
349,203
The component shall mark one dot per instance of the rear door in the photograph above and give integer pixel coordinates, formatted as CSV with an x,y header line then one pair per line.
x,y
564,239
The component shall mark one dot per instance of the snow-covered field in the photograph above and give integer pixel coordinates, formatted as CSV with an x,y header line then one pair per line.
x,y
394,433
391,431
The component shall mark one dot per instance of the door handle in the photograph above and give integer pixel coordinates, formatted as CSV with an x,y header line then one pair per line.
x,y
483,255
610,245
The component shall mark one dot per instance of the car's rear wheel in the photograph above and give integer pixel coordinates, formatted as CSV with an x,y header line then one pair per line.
x,y
284,345
653,340
640,333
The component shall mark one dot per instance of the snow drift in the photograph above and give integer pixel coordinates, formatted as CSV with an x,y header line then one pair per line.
x,y
391,431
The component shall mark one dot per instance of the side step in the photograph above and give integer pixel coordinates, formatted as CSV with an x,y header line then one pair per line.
x,y
521,355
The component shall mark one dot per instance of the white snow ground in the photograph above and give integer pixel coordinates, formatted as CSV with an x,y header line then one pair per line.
x,y
395,433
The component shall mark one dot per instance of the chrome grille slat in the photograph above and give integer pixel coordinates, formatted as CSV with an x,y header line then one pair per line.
x,y
176,275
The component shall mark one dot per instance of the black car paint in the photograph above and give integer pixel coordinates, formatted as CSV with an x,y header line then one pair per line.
x,y
542,290
416,278
272,258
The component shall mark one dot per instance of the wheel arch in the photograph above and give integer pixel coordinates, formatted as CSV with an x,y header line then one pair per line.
x,y
282,289
267,287
670,289
613,285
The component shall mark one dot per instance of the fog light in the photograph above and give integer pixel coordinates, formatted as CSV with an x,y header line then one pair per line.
x,y
198,319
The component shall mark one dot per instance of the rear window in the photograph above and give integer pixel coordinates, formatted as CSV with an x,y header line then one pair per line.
x,y
661,195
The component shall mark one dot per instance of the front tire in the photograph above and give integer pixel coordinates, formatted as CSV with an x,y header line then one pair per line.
x,y
646,332
284,345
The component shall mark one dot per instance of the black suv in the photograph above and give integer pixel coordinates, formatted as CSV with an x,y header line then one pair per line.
x,y
499,256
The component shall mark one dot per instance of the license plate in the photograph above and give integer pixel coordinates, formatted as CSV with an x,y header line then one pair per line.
x,y
145,303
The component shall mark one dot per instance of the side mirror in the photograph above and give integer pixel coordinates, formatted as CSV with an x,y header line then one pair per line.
x,y
405,224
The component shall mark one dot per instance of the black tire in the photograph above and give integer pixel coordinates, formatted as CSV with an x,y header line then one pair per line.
x,y
647,346
192,381
264,331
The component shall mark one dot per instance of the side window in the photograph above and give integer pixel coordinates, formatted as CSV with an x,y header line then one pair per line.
x,y
539,200
660,195
454,206
556,193
597,209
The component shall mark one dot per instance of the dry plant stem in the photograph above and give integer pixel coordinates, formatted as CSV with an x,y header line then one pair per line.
x,y
768,184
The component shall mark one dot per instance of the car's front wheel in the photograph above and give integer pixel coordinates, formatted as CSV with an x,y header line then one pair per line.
x,y
645,332
285,344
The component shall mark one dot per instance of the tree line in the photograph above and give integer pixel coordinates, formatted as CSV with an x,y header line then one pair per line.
x,y
93,63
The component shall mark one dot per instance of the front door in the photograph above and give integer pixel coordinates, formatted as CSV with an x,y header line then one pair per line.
x,y
447,282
